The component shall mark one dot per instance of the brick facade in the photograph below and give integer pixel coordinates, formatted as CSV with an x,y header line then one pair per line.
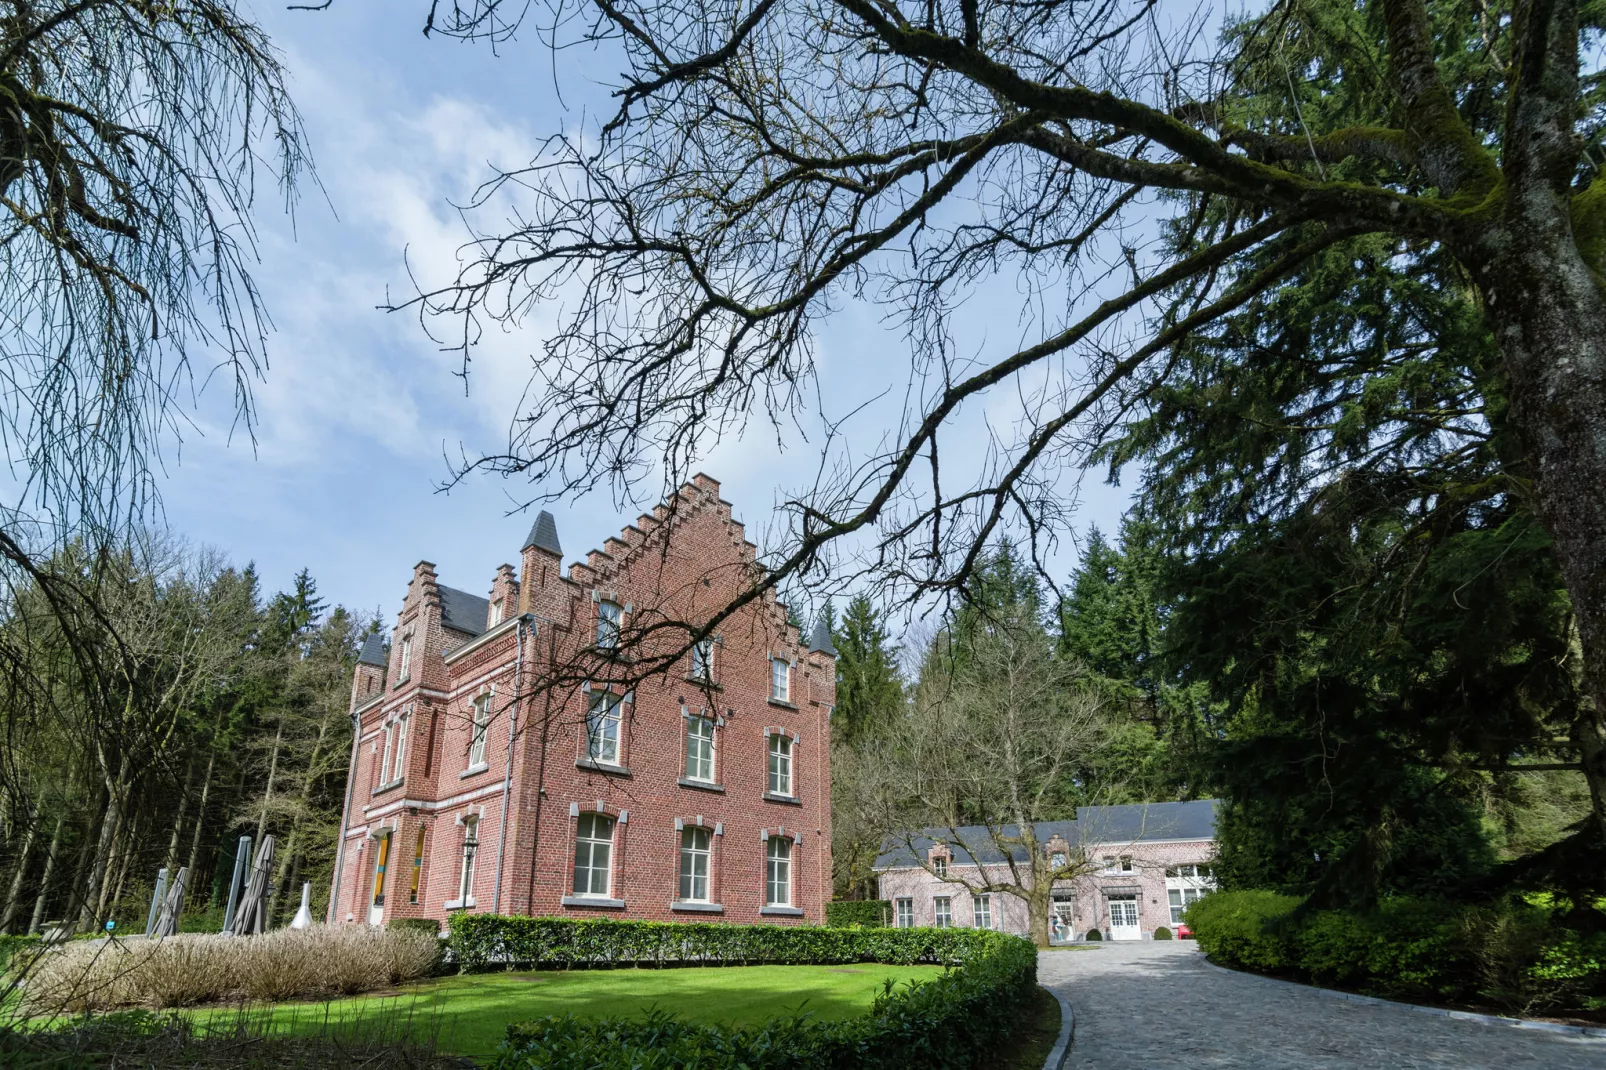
x,y
490,758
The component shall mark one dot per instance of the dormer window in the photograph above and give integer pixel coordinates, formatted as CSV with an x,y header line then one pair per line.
x,y
610,616
939,868
1056,861
496,613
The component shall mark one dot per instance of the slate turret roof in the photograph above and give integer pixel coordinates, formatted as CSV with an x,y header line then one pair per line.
x,y
373,651
1104,825
822,639
544,535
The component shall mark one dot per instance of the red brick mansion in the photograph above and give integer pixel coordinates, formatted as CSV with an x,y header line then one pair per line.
x,y
697,793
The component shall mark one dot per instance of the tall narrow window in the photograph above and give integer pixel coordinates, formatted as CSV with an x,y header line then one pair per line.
x,y
496,613
780,782
406,661
939,868
700,749
904,917
702,659
384,757
481,717
778,872
593,855
983,911
398,761
471,846
418,867
943,911
609,618
694,855
602,729
780,680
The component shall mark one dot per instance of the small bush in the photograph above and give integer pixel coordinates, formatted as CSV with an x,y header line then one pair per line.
x,y
1162,933
859,913
432,926
186,970
1244,929
1094,935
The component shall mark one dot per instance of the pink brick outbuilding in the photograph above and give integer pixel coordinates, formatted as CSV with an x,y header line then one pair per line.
x,y
1139,866
473,791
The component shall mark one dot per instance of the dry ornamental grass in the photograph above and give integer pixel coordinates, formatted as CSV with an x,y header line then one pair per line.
x,y
185,970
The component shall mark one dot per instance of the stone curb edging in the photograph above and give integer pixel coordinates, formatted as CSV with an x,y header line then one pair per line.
x,y
1062,1044
1581,1031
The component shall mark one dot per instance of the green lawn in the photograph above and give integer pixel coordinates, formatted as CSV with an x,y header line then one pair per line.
x,y
468,1014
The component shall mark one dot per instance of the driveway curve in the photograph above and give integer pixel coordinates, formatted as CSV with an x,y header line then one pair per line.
x,y
1160,1006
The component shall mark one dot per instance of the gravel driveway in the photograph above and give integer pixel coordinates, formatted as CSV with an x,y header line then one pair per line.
x,y
1159,1005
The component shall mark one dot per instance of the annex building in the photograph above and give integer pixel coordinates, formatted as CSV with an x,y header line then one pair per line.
x,y
700,792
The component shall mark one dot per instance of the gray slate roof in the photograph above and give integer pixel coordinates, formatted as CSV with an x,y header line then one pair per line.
x,y
822,639
464,612
544,535
1113,825
373,651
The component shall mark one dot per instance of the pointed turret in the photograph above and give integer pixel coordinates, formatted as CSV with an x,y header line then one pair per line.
x,y
544,535
821,643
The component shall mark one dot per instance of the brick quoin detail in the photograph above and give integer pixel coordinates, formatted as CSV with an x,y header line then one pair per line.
x,y
524,799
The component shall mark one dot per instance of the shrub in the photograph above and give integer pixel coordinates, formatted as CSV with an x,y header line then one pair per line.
x,y
1245,929
1094,935
860,913
188,969
1162,933
956,1020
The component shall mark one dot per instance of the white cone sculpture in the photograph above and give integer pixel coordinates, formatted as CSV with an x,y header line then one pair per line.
x,y
303,916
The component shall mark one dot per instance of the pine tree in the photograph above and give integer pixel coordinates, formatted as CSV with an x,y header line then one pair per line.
x,y
869,690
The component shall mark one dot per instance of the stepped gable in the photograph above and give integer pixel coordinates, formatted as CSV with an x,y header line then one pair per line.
x,y
463,612
699,495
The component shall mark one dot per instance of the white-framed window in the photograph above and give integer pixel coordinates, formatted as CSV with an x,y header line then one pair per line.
x,y
398,761
695,853
903,913
593,855
1181,899
1056,861
480,726
939,868
700,749
496,613
942,911
778,872
384,757
780,680
405,659
780,764
602,728
471,846
702,660
1118,864
1198,871
610,617
982,911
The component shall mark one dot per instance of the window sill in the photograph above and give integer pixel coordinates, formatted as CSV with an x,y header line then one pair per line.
x,y
473,770
790,800
789,912
461,904
595,902
703,682
782,703
700,785
399,683
697,908
392,786
602,767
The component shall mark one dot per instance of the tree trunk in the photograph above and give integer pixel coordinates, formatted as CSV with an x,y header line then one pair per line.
x,y
1547,307
110,824
171,858
1037,909
273,769
14,893
200,819
50,870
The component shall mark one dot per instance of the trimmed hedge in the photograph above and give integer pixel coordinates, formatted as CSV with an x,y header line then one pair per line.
x,y
864,913
424,925
957,1020
1514,954
1162,933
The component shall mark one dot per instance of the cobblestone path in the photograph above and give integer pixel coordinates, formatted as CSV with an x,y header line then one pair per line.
x,y
1160,1006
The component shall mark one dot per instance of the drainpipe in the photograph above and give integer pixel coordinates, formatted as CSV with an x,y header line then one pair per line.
x,y
525,621
345,818
540,776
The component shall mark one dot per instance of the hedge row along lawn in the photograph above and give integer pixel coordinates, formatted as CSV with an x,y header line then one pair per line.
x,y
469,1015
961,1018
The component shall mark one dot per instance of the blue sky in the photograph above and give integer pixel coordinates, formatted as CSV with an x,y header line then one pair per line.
x,y
359,413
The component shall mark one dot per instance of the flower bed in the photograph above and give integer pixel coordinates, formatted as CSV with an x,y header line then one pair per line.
x,y
955,1021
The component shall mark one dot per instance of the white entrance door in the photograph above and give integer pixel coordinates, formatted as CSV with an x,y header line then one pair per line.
x,y
376,910
1124,918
